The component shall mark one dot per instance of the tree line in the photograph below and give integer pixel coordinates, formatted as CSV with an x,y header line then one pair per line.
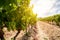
x,y
54,18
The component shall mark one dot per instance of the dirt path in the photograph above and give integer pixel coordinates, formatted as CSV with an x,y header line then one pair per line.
x,y
41,31
41,35
52,31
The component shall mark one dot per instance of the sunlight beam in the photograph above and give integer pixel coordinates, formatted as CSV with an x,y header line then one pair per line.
x,y
41,7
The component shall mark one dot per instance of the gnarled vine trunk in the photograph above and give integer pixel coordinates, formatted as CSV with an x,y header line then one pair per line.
x,y
1,34
17,34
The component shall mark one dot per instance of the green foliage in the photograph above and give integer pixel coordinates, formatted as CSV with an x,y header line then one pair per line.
x,y
16,14
55,18
7,2
11,25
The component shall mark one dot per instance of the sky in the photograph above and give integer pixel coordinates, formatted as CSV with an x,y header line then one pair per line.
x,y
44,8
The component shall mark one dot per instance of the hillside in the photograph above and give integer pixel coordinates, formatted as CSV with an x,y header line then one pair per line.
x,y
55,19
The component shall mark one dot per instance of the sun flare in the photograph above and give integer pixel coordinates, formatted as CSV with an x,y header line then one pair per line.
x,y
42,7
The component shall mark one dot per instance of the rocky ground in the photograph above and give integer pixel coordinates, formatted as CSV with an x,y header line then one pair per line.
x,y
40,31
